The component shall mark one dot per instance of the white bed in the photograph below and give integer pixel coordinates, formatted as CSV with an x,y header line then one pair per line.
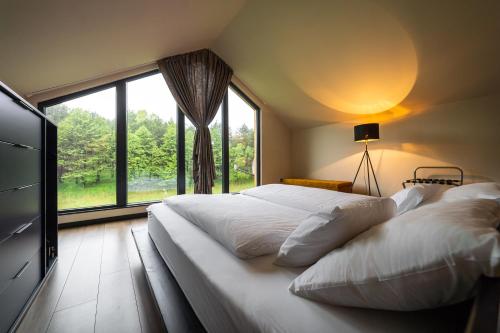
x,y
233,295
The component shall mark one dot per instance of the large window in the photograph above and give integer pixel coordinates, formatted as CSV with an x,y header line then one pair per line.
x,y
118,144
242,144
151,140
86,149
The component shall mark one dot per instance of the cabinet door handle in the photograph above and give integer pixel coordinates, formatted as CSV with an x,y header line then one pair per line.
x,y
23,187
18,145
21,271
22,228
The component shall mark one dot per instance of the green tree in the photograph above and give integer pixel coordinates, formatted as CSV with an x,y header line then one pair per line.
x,y
151,121
57,113
86,147
141,147
165,162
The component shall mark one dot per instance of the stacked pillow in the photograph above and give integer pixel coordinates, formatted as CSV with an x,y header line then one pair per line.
x,y
473,191
418,195
427,257
322,233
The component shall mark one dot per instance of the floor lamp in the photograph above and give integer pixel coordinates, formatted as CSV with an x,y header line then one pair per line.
x,y
365,133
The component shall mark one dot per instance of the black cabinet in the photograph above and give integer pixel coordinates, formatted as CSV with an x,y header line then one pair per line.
x,y
28,204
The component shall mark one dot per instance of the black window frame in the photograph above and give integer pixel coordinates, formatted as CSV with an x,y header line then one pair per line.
x,y
121,140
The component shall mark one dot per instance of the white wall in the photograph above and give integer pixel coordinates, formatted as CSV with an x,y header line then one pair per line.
x,y
464,133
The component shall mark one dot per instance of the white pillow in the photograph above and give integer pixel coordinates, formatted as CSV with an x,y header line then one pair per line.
x,y
425,258
433,193
473,191
408,198
319,234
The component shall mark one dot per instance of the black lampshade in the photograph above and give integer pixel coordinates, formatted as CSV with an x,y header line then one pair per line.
x,y
366,132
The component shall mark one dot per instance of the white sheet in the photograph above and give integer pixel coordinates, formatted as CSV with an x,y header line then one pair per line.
x,y
315,200
233,295
246,226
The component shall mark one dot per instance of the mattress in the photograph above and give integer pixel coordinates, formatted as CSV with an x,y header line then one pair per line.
x,y
229,294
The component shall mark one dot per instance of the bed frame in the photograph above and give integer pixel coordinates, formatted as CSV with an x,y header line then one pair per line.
x,y
441,181
176,312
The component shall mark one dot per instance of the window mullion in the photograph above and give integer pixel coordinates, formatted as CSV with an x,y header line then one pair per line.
x,y
121,144
181,152
225,144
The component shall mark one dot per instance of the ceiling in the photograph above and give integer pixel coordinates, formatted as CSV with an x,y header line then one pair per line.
x,y
318,62
312,62
56,42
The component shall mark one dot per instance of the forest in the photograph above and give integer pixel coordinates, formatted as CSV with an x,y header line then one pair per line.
x,y
87,157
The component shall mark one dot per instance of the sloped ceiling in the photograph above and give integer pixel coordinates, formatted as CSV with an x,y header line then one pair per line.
x,y
313,61
318,62
49,43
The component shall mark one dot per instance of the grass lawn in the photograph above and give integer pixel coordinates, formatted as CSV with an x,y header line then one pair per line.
x,y
73,195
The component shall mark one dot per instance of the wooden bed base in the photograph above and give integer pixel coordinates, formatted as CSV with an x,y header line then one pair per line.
x,y
480,315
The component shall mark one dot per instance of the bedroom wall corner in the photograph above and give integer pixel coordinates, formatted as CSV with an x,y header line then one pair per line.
x,y
463,133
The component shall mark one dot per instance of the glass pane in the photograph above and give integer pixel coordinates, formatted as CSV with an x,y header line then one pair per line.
x,y
86,149
216,134
242,158
152,140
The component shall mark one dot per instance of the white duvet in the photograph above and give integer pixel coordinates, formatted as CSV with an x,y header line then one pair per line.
x,y
258,221
246,226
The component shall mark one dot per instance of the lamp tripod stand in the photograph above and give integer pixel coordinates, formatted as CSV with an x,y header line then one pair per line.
x,y
369,167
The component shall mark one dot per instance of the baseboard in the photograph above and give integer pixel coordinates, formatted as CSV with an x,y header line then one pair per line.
x,y
102,220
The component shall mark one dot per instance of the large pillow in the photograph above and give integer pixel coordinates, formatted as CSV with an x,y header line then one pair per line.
x,y
408,198
314,200
425,258
320,234
473,191
433,193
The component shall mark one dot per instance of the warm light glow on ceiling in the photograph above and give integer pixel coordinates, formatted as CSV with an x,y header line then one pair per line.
x,y
396,113
364,62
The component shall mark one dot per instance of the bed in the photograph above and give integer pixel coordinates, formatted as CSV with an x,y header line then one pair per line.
x,y
224,293
232,295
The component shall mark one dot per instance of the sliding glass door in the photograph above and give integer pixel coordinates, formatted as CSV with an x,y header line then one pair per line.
x,y
119,144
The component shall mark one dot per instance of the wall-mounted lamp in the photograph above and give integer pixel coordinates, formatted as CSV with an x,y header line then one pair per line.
x,y
365,133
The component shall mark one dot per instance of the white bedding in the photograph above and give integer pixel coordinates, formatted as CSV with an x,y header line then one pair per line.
x,y
246,226
233,295
314,200
258,221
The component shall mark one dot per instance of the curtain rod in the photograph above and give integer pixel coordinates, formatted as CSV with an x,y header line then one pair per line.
x,y
38,92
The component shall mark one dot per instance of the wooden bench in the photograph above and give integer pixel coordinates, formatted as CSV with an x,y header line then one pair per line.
x,y
333,185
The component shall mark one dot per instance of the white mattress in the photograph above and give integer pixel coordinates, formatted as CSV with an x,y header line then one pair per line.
x,y
234,295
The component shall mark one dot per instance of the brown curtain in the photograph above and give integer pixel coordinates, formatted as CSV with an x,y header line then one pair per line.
x,y
198,81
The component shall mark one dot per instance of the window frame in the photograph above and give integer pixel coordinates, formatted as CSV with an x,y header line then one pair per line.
x,y
121,140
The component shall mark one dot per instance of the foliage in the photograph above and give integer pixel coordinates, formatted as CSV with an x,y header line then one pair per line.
x,y
87,156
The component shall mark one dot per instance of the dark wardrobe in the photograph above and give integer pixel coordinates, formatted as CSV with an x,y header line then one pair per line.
x,y
28,204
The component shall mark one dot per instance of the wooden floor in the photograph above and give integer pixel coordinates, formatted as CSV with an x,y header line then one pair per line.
x,y
98,285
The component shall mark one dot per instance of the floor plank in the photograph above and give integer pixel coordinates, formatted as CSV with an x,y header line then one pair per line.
x,y
116,308
77,319
83,280
38,317
98,285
